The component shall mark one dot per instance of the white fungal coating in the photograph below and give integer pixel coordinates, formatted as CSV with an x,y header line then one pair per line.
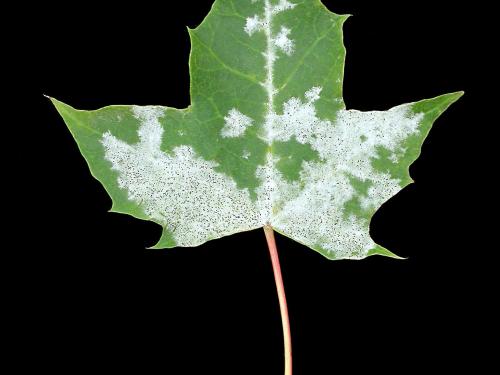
x,y
180,190
253,24
282,5
235,124
312,94
283,42
315,216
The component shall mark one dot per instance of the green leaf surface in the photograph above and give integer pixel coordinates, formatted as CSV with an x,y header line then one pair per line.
x,y
266,140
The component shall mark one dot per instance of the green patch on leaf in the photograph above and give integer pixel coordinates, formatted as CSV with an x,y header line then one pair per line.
x,y
290,155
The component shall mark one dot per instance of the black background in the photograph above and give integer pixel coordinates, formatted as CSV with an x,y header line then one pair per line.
x,y
92,297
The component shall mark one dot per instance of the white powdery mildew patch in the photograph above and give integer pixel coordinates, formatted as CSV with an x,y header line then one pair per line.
x,y
235,124
180,190
282,5
283,42
253,24
314,216
312,94
394,157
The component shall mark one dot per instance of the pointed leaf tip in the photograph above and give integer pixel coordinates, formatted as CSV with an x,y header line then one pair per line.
x,y
382,251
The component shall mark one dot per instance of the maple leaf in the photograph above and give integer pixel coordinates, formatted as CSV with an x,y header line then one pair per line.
x,y
267,139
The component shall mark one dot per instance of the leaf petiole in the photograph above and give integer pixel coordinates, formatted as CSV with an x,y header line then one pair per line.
x,y
273,251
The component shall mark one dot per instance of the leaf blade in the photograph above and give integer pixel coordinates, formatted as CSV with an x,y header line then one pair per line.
x,y
266,140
